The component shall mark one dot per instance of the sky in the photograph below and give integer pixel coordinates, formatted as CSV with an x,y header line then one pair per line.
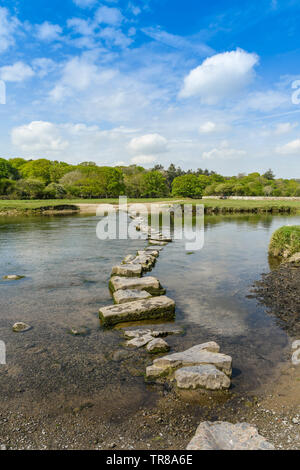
x,y
199,84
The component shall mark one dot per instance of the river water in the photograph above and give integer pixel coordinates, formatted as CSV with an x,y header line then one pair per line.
x,y
67,268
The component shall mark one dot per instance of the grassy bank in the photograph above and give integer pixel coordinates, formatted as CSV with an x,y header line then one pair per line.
x,y
285,242
213,206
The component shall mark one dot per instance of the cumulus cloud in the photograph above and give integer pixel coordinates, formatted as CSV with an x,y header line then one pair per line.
x,y
148,144
224,151
48,31
17,72
143,159
85,3
38,136
8,27
207,127
291,148
108,15
220,76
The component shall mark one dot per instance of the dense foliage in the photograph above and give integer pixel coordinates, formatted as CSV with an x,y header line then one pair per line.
x,y
45,179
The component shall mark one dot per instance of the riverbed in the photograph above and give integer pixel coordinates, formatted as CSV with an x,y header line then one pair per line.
x,y
80,390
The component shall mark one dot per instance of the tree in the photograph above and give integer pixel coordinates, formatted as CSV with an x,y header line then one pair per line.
x,y
187,186
7,170
30,189
37,169
154,185
269,175
54,191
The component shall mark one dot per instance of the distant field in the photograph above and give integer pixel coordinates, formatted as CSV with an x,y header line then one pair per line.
x,y
217,204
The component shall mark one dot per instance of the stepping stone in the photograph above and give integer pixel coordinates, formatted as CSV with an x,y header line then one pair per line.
x,y
205,376
296,357
155,248
161,238
127,270
206,353
157,345
128,258
149,284
227,436
136,333
146,261
154,308
296,344
156,242
128,295
12,277
151,253
139,342
156,333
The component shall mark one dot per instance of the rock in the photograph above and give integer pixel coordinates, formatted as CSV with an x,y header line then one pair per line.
x,y
120,355
127,270
140,341
3,447
154,248
160,238
206,353
153,308
155,333
295,258
156,242
204,376
227,436
13,277
80,331
296,357
21,327
128,295
146,261
136,333
127,259
296,344
154,253
157,345
149,284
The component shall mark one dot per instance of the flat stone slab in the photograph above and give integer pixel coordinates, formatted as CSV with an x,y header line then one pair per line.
x,y
127,259
155,248
156,332
204,376
12,277
145,260
160,238
206,353
127,270
227,436
139,342
154,308
151,252
128,295
157,345
156,242
149,284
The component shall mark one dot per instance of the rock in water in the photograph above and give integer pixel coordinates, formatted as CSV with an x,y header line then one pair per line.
x,y
296,357
12,277
205,353
128,270
128,295
227,436
20,327
204,376
157,345
156,242
154,308
149,284
139,342
296,344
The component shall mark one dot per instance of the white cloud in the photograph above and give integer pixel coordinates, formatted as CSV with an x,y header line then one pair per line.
x,y
207,127
291,148
220,76
80,26
143,159
224,151
148,144
17,72
42,66
107,15
266,101
48,31
84,3
38,136
115,37
8,28
285,127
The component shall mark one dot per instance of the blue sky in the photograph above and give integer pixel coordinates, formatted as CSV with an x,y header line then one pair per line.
x,y
196,83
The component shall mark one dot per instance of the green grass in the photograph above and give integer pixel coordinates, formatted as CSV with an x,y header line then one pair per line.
x,y
212,205
285,242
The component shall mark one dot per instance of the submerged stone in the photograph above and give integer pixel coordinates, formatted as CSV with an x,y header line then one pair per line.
x,y
227,436
129,295
149,284
204,376
139,342
157,345
13,277
127,270
153,308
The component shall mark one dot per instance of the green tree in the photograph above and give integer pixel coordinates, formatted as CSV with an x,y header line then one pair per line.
x,y
7,170
154,184
187,186
37,169
30,189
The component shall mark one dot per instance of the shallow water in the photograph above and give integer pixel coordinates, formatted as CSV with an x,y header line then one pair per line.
x,y
67,271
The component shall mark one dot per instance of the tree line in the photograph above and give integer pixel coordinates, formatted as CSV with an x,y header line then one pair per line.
x,y
46,179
